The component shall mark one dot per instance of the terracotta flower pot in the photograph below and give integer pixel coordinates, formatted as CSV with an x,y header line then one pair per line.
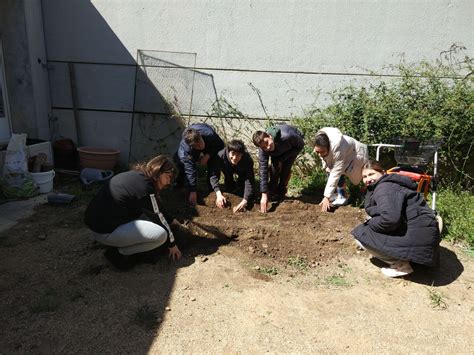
x,y
98,158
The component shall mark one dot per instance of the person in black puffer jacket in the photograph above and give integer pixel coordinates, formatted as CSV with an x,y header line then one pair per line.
x,y
401,227
125,215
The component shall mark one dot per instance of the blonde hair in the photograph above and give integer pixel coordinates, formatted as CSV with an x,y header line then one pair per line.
x,y
156,166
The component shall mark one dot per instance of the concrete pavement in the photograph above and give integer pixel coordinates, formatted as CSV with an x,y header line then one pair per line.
x,y
12,212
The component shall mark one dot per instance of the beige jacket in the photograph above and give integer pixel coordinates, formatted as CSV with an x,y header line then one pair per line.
x,y
346,156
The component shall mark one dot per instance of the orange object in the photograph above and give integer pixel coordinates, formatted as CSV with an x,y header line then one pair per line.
x,y
423,180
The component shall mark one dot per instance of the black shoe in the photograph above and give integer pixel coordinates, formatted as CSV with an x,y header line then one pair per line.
x,y
119,261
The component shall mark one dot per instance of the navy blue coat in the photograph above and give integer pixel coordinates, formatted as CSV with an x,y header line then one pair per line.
x,y
288,143
402,225
189,156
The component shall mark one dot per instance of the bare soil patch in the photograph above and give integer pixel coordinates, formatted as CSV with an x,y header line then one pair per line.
x,y
294,227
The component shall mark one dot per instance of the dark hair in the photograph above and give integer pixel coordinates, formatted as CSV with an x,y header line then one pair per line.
x,y
258,137
236,146
321,140
191,136
156,166
374,165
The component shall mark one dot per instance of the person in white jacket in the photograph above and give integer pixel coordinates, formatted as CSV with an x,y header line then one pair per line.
x,y
341,156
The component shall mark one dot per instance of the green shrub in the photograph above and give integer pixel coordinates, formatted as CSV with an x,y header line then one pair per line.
x,y
457,212
429,101
308,182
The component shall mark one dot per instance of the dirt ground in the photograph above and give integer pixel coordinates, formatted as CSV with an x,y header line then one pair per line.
x,y
289,281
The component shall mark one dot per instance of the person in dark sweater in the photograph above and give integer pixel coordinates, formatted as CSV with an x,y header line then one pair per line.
x,y
282,143
125,214
234,159
401,227
199,145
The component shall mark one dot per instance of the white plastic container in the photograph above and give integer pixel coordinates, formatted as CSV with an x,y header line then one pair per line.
x,y
44,181
32,150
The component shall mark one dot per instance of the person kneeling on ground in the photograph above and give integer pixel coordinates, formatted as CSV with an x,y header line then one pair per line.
x,y
199,145
401,228
234,159
282,143
340,155
125,216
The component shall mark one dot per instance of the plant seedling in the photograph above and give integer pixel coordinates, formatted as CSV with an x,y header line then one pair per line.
x,y
436,299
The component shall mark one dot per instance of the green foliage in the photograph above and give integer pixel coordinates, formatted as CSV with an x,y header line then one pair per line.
x,y
429,101
457,210
311,181
436,299
336,280
270,271
297,262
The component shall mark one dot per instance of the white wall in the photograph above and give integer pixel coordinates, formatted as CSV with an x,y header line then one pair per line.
x,y
288,50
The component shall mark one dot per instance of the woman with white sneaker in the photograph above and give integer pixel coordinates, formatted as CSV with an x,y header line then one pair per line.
x,y
341,156
401,227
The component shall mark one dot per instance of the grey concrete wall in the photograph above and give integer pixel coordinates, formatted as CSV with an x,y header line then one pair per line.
x,y
17,67
38,67
269,58
21,29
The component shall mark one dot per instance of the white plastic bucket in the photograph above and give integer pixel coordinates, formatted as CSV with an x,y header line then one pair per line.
x,y
44,181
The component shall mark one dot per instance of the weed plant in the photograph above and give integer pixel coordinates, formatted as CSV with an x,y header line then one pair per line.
x,y
297,262
436,299
457,210
339,281
270,271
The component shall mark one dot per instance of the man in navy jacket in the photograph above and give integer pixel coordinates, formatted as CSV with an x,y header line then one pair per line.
x,y
282,143
199,145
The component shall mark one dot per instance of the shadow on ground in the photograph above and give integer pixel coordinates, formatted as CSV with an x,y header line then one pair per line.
x,y
448,271
60,295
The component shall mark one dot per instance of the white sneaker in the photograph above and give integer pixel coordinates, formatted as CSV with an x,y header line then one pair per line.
x,y
397,269
340,201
